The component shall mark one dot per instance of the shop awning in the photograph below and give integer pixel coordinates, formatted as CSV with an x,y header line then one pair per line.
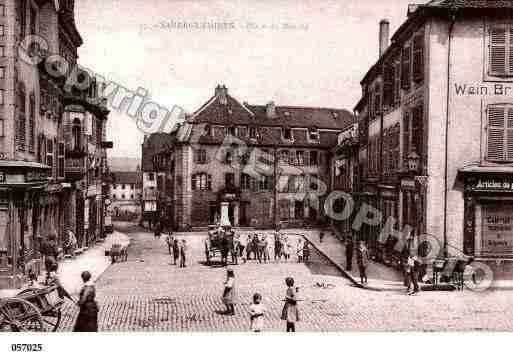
x,y
476,169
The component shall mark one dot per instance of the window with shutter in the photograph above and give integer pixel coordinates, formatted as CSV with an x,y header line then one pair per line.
x,y
499,50
416,130
388,85
406,136
377,99
418,58
500,133
406,68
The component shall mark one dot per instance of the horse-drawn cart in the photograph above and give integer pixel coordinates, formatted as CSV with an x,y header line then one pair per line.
x,y
33,309
220,240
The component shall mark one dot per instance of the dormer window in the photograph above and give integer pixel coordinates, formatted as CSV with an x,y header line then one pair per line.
x,y
313,135
207,131
253,133
286,134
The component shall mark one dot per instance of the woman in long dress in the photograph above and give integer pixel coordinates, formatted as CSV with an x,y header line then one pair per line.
x,y
290,312
87,320
229,293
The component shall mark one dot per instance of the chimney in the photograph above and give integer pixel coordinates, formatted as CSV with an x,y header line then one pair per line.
x,y
221,92
270,110
384,34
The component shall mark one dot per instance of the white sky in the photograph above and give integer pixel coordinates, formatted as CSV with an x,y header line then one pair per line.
x,y
320,65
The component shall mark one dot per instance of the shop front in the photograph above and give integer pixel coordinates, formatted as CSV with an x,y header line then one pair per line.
x,y
488,218
21,186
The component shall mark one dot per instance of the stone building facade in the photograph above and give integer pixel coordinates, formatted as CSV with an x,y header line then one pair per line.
x,y
435,131
249,165
43,183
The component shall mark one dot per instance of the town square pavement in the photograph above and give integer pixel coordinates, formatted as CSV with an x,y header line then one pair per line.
x,y
149,293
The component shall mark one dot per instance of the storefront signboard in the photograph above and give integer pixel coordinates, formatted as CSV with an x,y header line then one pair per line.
x,y
497,229
408,184
490,184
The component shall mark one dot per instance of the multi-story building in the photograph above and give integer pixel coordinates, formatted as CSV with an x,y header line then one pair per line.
x,y
344,176
435,115
40,181
152,145
248,165
126,193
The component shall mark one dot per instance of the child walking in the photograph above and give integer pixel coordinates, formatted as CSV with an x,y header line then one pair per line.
x,y
290,312
256,313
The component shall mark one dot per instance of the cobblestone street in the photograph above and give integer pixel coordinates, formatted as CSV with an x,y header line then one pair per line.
x,y
146,293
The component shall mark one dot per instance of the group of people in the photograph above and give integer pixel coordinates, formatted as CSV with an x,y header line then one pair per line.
x,y
176,248
362,258
257,246
411,264
257,310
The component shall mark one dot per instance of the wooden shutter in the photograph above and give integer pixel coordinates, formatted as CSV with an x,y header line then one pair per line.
x,y
388,85
498,42
416,130
509,134
377,99
406,68
496,136
397,82
406,135
418,58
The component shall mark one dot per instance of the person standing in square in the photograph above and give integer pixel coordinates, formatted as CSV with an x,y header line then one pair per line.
x,y
290,312
229,293
183,253
256,313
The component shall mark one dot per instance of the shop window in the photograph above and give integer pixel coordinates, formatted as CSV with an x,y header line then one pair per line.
x,y
500,133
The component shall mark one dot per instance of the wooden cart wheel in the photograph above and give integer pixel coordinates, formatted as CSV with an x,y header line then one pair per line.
x,y
19,315
52,320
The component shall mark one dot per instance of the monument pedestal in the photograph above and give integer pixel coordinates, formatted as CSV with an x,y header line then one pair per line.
x,y
225,219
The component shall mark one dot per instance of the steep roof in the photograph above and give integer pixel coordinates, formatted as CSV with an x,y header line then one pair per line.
x,y
214,111
155,143
126,177
223,109
305,117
